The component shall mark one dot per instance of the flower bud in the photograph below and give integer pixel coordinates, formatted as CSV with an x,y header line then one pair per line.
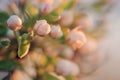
x,y
66,18
45,8
56,32
42,28
14,23
76,39
66,68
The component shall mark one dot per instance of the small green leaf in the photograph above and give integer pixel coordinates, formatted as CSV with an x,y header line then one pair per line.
x,y
4,44
50,77
8,65
24,45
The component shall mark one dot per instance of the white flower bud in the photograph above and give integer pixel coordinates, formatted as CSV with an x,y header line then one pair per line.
x,y
76,39
42,28
68,53
45,8
66,18
14,23
66,68
56,32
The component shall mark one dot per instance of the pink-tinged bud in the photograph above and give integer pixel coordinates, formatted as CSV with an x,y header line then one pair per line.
x,y
66,18
56,32
76,39
14,23
68,53
45,8
67,67
42,28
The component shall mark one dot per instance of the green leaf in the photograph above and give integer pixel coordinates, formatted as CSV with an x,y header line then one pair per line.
x,y
24,44
3,30
8,65
4,44
3,17
50,77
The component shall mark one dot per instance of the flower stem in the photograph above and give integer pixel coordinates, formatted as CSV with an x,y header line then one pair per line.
x,y
16,35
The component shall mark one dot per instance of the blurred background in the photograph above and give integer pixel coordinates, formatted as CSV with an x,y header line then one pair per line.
x,y
98,59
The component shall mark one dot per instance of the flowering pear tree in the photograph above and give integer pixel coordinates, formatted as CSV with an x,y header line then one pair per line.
x,y
51,39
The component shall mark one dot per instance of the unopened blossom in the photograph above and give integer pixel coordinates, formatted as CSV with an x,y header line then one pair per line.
x,y
76,39
66,18
67,67
45,8
56,31
42,28
14,23
68,53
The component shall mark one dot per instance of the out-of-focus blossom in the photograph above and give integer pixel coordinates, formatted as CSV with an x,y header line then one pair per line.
x,y
42,28
15,8
76,39
52,51
20,75
90,63
56,31
66,18
45,8
68,53
89,48
85,23
38,57
67,67
14,23
10,34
